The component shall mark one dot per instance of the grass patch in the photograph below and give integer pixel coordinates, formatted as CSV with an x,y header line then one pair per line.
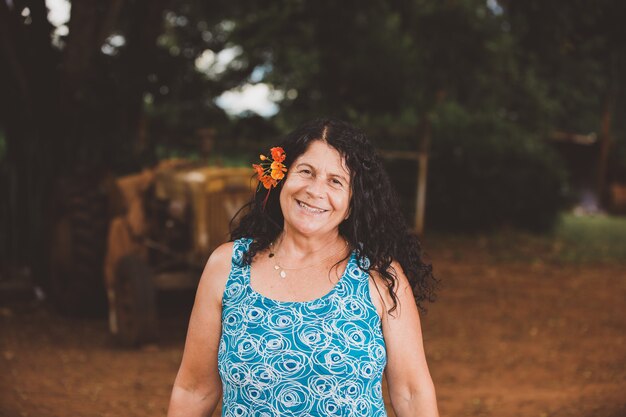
x,y
575,240
592,238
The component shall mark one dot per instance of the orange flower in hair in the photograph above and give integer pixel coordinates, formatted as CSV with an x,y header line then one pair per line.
x,y
271,170
278,170
278,154
258,169
268,182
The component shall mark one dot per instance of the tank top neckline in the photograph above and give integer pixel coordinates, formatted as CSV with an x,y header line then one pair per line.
x,y
332,291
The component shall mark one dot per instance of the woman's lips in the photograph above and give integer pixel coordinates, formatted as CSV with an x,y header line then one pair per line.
x,y
309,208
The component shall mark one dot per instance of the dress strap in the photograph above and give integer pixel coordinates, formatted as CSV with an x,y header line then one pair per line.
x,y
237,281
238,269
240,247
354,278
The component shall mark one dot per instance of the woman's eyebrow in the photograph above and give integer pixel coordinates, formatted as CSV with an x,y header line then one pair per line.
x,y
313,168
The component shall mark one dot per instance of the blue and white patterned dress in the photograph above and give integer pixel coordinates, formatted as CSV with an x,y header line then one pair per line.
x,y
323,357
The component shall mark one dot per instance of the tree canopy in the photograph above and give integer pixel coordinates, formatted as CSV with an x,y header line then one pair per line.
x,y
133,80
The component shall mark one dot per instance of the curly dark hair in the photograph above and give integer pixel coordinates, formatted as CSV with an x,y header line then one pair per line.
x,y
375,228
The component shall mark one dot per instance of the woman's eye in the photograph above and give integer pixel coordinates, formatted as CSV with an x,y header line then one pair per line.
x,y
305,171
335,181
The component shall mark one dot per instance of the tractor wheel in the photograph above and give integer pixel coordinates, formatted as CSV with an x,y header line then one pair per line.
x,y
77,248
134,303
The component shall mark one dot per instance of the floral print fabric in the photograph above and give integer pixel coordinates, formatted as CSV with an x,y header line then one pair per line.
x,y
323,357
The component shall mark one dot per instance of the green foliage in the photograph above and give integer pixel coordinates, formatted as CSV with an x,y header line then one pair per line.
x,y
493,84
578,49
379,64
484,173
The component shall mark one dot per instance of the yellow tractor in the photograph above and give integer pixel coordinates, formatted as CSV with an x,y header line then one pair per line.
x,y
161,227
176,215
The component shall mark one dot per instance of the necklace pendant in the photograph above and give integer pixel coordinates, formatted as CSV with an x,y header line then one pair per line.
x,y
283,274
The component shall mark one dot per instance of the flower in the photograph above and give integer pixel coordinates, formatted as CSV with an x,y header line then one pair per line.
x,y
270,170
278,170
268,182
278,154
258,169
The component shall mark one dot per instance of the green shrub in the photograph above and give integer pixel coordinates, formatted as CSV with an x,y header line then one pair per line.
x,y
485,172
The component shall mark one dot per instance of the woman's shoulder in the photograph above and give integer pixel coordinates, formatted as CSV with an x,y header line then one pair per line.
x,y
379,286
221,259
225,253
222,255
217,269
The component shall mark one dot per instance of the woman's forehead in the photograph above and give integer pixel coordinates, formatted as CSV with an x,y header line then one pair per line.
x,y
321,156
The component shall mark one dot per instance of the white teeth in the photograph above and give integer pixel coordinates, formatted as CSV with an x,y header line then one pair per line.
x,y
309,208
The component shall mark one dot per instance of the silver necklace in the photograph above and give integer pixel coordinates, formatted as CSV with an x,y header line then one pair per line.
x,y
282,271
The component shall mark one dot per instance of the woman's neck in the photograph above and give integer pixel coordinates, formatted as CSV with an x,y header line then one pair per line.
x,y
299,247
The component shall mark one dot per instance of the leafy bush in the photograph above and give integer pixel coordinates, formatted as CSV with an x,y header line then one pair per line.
x,y
485,172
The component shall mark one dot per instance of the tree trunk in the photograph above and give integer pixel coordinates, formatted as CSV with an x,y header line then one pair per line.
x,y
605,138
29,85
422,175
65,109
605,145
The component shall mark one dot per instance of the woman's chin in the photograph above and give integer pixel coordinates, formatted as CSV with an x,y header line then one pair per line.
x,y
308,227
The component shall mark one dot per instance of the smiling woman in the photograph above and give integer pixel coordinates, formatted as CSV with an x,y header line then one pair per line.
x,y
315,297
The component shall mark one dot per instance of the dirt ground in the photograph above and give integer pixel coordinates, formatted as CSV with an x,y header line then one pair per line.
x,y
504,339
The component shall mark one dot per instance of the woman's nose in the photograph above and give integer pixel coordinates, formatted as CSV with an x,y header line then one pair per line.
x,y
315,188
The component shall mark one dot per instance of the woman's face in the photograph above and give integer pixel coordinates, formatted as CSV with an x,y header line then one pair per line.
x,y
315,197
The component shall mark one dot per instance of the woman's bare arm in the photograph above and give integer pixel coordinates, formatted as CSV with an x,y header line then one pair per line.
x,y
411,388
198,388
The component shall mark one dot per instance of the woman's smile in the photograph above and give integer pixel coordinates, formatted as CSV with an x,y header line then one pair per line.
x,y
310,209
